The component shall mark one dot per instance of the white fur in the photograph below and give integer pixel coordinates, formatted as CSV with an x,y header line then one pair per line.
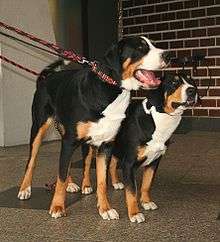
x,y
139,218
110,214
72,187
25,194
165,126
118,186
153,60
87,190
107,127
131,84
56,215
149,206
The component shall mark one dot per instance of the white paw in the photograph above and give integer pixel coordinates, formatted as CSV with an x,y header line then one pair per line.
x,y
87,190
149,206
110,214
118,186
72,187
25,194
139,218
56,215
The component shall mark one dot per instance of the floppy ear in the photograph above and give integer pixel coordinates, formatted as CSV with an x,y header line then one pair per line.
x,y
112,60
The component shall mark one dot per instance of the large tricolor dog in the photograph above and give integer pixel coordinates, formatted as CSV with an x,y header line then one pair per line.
x,y
86,109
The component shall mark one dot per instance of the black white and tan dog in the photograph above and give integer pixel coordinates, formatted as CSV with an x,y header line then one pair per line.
x,y
143,138
86,109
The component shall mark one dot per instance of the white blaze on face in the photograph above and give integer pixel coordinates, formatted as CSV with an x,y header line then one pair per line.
x,y
153,60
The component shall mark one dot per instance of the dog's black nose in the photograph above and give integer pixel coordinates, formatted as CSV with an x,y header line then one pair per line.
x,y
191,91
166,55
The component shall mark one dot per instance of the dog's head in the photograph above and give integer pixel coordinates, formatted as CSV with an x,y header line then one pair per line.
x,y
133,61
178,92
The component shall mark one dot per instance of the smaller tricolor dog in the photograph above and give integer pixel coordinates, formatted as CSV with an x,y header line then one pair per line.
x,y
143,139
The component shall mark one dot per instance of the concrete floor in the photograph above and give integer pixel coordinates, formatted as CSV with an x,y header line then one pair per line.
x,y
186,189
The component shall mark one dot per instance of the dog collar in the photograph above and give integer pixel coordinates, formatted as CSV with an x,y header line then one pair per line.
x,y
144,104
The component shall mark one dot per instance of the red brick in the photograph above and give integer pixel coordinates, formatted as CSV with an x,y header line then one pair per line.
x,y
162,26
176,6
162,8
176,25
169,35
190,4
125,13
139,2
206,2
135,29
214,31
213,11
217,82
200,112
192,43
213,51
162,45
198,13
199,52
214,112
207,82
183,14
148,9
207,21
207,42
125,30
202,92
218,62
184,53
191,23
217,41
214,92
217,20
201,72
215,72
209,62
208,103
176,44
134,11
218,102
198,32
183,34
168,16
155,36
141,20
149,28
155,18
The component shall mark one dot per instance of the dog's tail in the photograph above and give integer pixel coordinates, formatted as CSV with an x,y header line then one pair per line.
x,y
52,68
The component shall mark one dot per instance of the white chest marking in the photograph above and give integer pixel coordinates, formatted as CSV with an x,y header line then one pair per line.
x,y
165,126
107,127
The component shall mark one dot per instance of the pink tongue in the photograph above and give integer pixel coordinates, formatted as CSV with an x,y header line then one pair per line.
x,y
147,77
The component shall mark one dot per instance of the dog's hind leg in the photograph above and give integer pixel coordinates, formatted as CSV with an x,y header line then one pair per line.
x,y
131,192
87,152
114,174
37,135
57,208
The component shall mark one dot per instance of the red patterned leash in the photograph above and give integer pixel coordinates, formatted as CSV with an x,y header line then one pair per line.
x,y
67,54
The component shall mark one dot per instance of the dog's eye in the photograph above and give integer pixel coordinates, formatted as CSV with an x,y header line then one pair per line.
x,y
140,47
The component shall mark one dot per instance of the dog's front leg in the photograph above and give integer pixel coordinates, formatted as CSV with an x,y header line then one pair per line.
x,y
148,175
102,158
129,170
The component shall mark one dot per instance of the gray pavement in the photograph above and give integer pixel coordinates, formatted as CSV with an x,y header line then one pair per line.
x,y
186,189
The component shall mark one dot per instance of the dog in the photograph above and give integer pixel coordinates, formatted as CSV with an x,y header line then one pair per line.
x,y
143,138
88,110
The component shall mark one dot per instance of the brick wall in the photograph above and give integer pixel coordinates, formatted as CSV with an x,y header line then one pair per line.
x,y
186,27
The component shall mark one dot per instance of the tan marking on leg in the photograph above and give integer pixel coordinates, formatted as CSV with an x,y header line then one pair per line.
x,y
132,204
82,129
113,170
147,179
141,152
101,169
27,180
58,202
129,68
87,165
174,97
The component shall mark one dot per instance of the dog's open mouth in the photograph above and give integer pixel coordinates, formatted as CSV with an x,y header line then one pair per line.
x,y
147,78
188,103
